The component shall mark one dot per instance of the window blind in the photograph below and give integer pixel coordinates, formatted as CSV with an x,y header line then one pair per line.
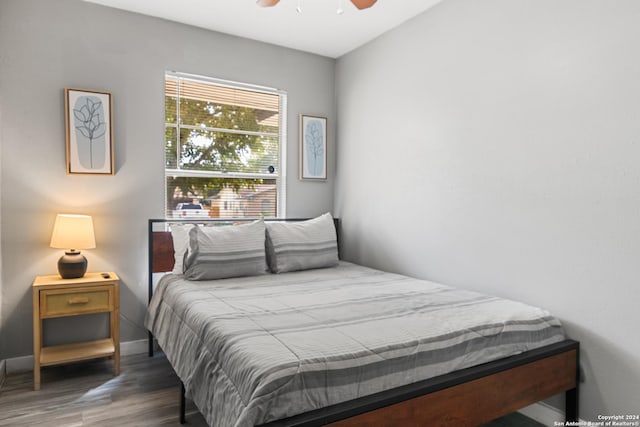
x,y
223,145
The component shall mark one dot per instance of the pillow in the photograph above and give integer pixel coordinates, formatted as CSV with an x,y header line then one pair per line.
x,y
303,245
180,236
226,251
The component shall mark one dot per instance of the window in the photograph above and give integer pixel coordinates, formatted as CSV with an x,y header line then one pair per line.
x,y
224,148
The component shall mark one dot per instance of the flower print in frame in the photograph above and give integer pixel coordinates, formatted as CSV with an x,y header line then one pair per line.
x,y
89,126
313,147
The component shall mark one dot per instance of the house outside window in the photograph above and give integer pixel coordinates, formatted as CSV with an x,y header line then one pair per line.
x,y
224,148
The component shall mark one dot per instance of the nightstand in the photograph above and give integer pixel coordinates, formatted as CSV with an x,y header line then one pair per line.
x,y
57,297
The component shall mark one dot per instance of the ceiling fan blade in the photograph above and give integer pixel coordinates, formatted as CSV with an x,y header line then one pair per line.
x,y
267,3
363,4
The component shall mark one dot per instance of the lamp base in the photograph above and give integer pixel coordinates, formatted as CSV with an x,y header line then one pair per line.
x,y
72,265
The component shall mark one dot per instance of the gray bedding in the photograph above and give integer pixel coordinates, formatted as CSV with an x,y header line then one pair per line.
x,y
254,349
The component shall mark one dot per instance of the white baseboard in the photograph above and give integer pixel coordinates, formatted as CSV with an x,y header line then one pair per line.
x,y
128,348
19,364
544,414
25,363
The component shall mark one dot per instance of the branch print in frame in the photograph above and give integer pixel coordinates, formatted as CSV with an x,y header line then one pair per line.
x,y
313,147
89,126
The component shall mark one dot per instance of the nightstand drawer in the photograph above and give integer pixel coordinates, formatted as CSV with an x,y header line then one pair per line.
x,y
65,302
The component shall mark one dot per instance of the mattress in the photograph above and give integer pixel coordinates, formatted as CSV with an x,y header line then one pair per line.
x,y
256,349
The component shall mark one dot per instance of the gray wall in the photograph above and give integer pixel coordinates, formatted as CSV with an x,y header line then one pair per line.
x,y
494,145
48,45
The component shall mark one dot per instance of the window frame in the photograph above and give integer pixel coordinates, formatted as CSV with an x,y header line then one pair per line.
x,y
280,175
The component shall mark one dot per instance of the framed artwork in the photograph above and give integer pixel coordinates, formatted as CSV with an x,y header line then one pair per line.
x,y
89,129
313,147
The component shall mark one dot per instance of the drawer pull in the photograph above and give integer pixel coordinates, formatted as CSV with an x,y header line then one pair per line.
x,y
78,300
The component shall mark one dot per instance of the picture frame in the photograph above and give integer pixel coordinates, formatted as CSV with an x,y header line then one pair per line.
x,y
89,131
313,148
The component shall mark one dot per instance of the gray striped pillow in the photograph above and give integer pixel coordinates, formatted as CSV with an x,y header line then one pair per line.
x,y
303,245
226,251
180,237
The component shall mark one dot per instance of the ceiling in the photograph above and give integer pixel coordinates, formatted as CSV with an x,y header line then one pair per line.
x,y
318,29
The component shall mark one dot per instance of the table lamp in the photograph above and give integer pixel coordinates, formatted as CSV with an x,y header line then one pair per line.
x,y
72,232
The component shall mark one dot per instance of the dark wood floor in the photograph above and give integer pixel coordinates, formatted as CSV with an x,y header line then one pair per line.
x,y
146,393
87,394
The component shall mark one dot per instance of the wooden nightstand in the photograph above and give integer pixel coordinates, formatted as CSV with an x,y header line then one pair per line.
x,y
57,297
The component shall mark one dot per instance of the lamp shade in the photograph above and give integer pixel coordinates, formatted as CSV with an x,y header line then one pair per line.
x,y
73,232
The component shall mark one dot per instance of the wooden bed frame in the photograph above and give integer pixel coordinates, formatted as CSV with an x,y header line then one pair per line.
x,y
467,397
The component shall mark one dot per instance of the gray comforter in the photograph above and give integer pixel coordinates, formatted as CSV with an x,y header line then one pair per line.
x,y
255,349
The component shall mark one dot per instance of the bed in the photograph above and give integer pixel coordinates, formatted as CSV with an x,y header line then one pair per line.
x,y
346,345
